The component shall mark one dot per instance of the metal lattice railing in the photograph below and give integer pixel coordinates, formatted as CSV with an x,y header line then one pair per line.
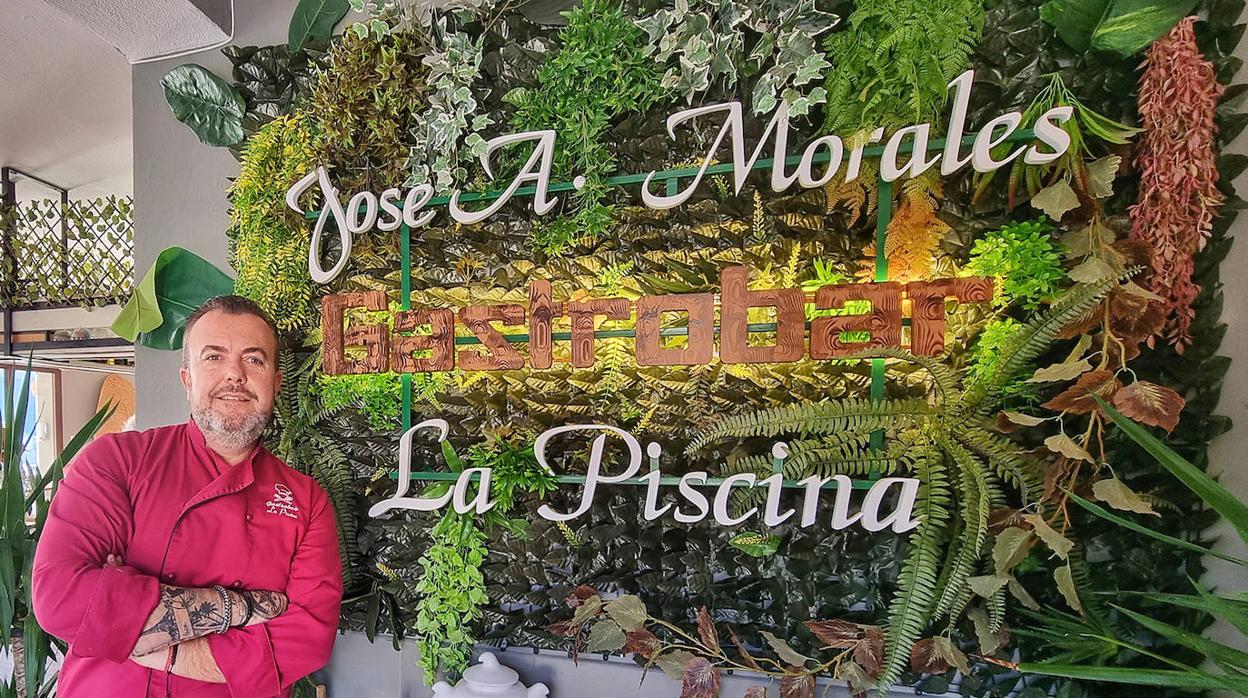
x,y
69,252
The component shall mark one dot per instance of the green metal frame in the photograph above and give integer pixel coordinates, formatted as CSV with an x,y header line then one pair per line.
x,y
672,177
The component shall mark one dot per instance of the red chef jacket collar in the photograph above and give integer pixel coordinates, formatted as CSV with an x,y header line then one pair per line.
x,y
230,478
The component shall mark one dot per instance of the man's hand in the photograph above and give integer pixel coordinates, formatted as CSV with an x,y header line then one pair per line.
x,y
194,661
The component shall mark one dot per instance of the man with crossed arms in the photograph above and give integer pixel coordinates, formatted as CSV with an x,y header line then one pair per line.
x,y
187,560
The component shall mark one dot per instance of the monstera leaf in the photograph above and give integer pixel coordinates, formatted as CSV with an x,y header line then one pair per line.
x,y
1125,27
210,106
176,284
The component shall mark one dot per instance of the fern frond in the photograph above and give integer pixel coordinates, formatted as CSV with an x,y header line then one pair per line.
x,y
1032,339
817,418
945,379
974,508
1009,461
996,610
909,612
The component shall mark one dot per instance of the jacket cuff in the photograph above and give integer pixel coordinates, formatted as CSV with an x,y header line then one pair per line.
x,y
120,605
245,657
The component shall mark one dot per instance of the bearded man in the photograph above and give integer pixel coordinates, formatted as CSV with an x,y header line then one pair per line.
x,y
187,560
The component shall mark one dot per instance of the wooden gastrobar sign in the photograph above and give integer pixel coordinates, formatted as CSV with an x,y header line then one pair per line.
x,y
387,350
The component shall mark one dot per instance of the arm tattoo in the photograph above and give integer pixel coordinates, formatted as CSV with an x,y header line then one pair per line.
x,y
266,604
181,614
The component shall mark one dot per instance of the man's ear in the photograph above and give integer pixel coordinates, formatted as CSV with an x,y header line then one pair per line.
x,y
277,383
185,374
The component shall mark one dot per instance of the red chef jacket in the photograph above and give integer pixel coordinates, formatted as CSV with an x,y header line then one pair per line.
x,y
175,512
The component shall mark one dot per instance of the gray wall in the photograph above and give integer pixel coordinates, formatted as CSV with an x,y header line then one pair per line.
x,y
179,188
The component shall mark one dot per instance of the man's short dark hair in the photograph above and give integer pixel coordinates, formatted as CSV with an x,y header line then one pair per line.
x,y
230,305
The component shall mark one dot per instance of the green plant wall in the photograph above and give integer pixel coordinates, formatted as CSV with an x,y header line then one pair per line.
x,y
383,95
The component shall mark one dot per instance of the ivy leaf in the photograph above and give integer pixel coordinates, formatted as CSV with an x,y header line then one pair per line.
x,y
1101,175
643,642
1060,372
210,106
1056,199
786,653
1066,585
673,663
1019,592
799,686
1066,446
700,680
606,636
706,630
1151,404
1057,542
315,19
1115,493
836,634
987,585
1011,548
628,611
1091,271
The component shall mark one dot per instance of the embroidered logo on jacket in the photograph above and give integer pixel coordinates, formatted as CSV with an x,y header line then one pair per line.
x,y
283,502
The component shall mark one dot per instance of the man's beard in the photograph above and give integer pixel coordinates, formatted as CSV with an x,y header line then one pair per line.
x,y
233,433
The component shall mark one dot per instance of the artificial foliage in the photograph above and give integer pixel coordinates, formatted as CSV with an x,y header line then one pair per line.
x,y
364,103
273,81
914,233
894,60
452,587
1024,259
1178,169
448,133
599,73
966,471
269,242
1004,429
719,43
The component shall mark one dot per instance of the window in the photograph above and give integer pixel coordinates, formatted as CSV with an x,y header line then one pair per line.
x,y
41,435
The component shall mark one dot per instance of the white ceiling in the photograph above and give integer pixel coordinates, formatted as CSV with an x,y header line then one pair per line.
x,y
65,112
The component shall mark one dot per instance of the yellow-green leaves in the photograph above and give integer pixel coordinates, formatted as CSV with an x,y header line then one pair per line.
x,y
1056,200
1066,585
1115,493
1011,548
1066,446
1057,542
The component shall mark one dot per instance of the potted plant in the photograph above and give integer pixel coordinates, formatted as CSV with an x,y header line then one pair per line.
x,y
23,510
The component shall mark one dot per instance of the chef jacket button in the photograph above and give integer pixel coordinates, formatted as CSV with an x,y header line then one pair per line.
x,y
238,584
171,576
248,517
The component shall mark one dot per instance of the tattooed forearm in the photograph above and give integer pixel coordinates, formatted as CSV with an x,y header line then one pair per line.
x,y
266,604
184,614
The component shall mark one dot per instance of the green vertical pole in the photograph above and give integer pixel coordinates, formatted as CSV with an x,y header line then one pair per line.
x,y
405,303
883,215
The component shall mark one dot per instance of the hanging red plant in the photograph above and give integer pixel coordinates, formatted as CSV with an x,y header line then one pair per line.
x,y
1179,93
